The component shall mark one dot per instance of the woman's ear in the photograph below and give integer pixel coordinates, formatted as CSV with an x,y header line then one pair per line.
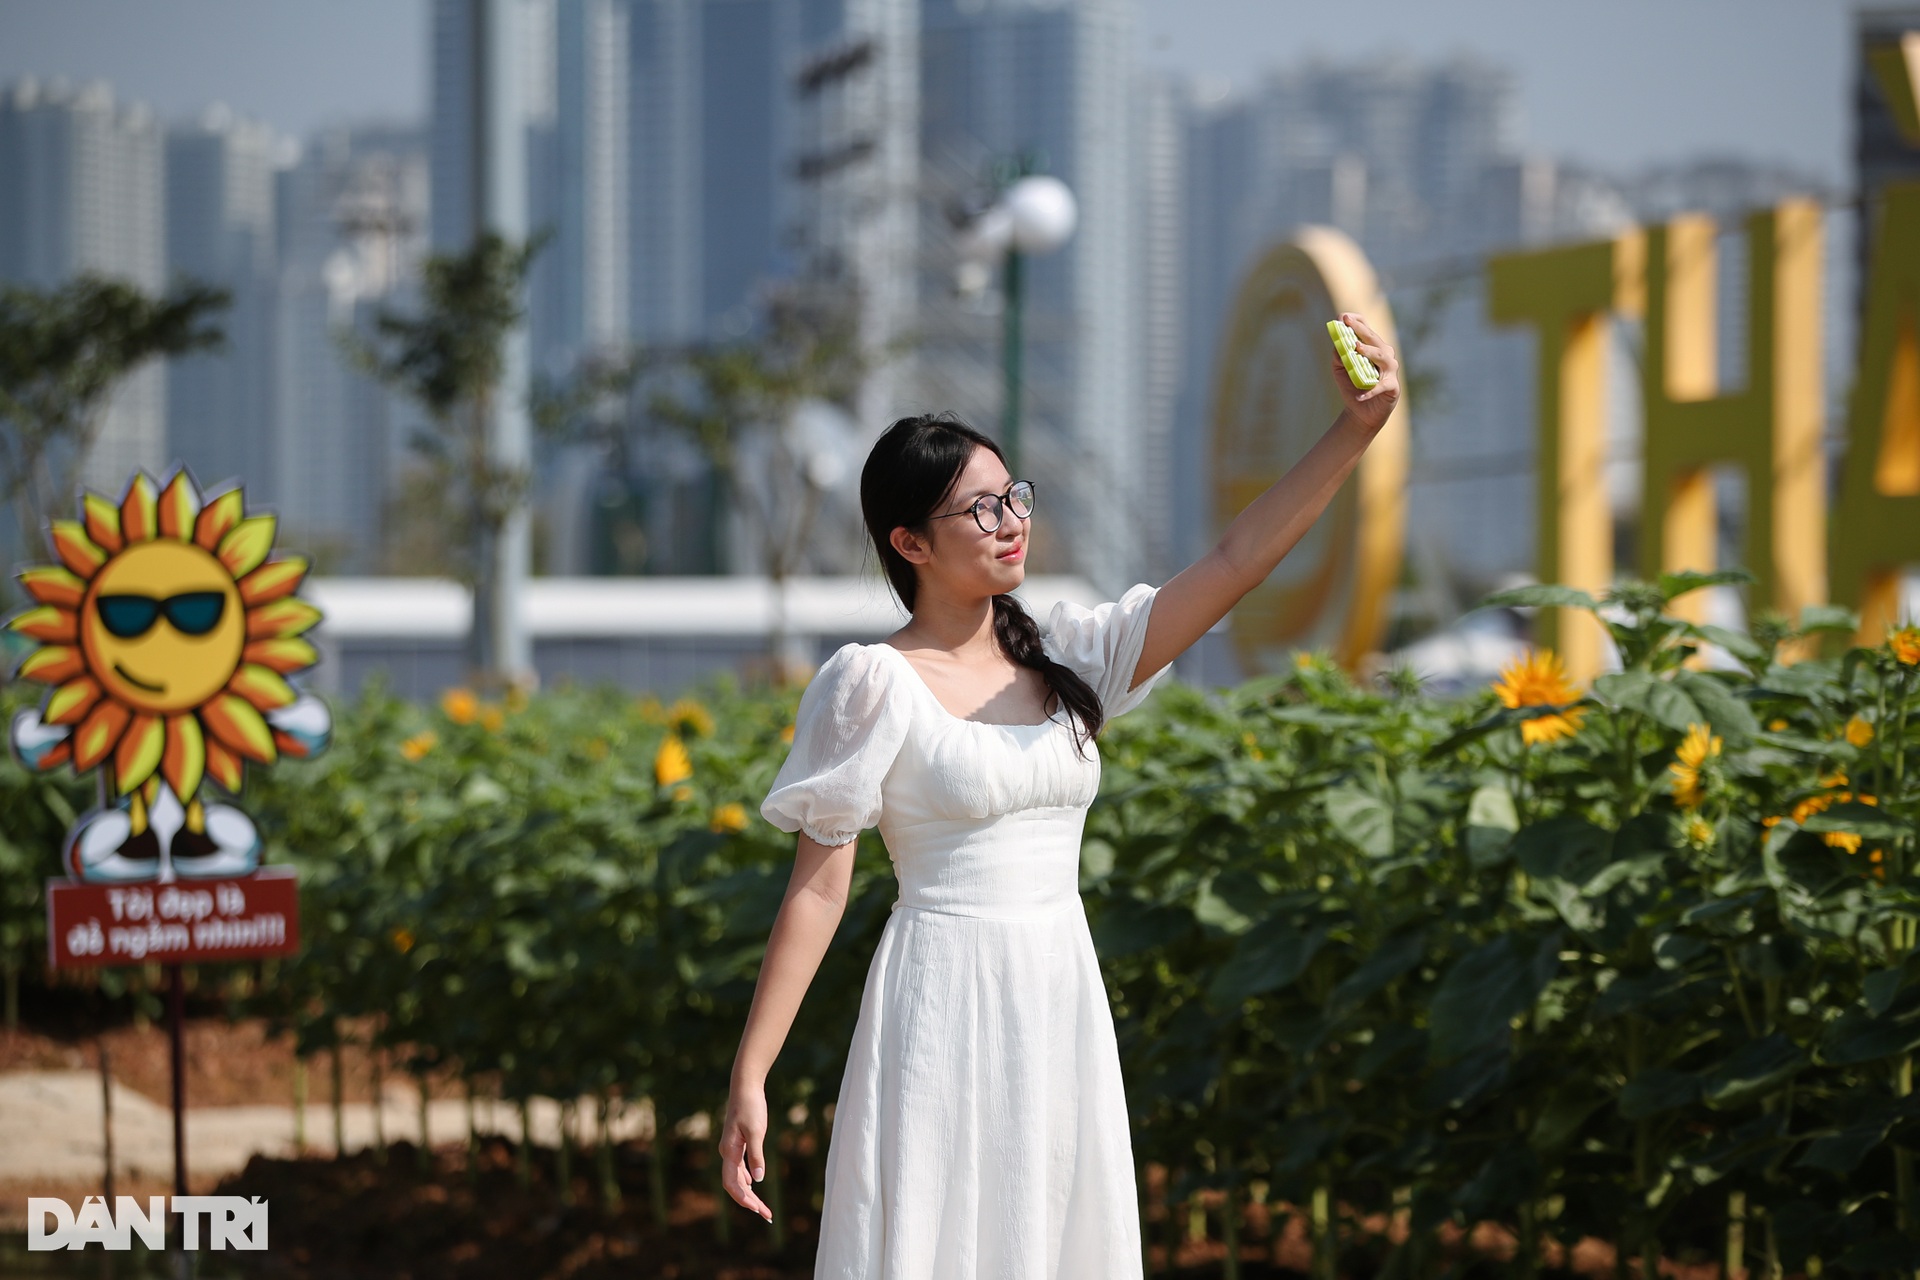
x,y
915,548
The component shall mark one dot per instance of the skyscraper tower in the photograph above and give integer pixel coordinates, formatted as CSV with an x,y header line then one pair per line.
x,y
673,151
745,46
81,190
1050,80
352,227
221,229
857,166
1160,183
579,163
1421,164
665,226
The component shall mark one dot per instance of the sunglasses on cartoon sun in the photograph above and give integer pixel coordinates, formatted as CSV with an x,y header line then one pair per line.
x,y
192,613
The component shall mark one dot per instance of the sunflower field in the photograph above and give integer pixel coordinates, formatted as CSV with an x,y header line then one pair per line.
x,y
1635,962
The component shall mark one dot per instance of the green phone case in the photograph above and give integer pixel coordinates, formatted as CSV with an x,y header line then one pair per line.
x,y
1347,343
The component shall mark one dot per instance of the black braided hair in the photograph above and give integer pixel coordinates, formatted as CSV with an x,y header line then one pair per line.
x,y
908,476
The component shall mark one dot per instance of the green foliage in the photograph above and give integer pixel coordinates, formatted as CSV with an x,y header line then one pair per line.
x,y
453,352
62,352
734,400
1365,949
450,358
1399,957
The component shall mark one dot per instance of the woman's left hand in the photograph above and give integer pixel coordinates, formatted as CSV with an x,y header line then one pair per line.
x,y
1372,406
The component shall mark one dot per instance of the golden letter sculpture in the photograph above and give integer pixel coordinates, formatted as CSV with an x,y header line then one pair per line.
x,y
1876,527
1273,396
1770,430
1568,296
1895,64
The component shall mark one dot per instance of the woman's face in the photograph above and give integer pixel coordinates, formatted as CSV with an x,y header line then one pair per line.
x,y
955,556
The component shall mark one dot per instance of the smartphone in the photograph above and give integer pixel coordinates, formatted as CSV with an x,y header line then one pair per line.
x,y
1347,343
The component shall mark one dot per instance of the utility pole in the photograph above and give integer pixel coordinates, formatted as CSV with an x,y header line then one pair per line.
x,y
1031,214
497,201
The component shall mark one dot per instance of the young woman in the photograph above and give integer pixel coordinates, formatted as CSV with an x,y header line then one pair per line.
x,y
981,1130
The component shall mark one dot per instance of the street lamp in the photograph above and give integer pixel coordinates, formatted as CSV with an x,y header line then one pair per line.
x,y
1036,214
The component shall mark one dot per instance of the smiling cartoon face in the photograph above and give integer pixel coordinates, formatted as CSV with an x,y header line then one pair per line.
x,y
166,633
163,626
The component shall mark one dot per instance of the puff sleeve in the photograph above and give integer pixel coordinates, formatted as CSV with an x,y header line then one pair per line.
x,y
851,723
1103,644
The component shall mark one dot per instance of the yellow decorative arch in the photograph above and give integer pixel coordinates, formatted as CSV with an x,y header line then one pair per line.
x,y
1273,397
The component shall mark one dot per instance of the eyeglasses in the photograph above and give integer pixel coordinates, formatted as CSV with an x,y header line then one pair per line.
x,y
193,612
987,509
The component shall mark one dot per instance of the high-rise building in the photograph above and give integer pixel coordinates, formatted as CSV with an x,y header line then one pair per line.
x,y
221,230
1391,152
507,46
770,136
578,160
856,167
712,142
352,228
745,47
765,138
664,238
1160,175
81,190
1422,166
768,139
1049,81
1218,172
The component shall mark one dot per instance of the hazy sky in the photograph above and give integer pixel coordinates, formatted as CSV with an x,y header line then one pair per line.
x,y
1615,83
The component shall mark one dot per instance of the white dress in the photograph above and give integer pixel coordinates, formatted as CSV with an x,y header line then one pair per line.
x,y
981,1131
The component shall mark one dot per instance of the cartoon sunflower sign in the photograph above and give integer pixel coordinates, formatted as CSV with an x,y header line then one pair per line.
x,y
167,633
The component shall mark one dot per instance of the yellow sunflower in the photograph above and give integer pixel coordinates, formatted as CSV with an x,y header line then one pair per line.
x,y
671,763
1696,749
1905,644
1538,679
730,818
1859,732
166,633
689,719
460,705
1833,791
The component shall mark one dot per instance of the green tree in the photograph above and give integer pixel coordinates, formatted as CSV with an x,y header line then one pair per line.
x,y
739,402
451,356
62,353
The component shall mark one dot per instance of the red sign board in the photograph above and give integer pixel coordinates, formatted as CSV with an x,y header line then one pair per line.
x,y
181,921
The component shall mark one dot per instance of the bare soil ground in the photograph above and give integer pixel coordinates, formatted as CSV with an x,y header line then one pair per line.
x,y
228,1063
363,1215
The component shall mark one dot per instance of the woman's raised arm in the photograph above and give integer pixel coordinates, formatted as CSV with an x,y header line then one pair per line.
x,y
1260,536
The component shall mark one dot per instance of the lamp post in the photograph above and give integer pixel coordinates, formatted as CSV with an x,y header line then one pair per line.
x,y
1035,214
